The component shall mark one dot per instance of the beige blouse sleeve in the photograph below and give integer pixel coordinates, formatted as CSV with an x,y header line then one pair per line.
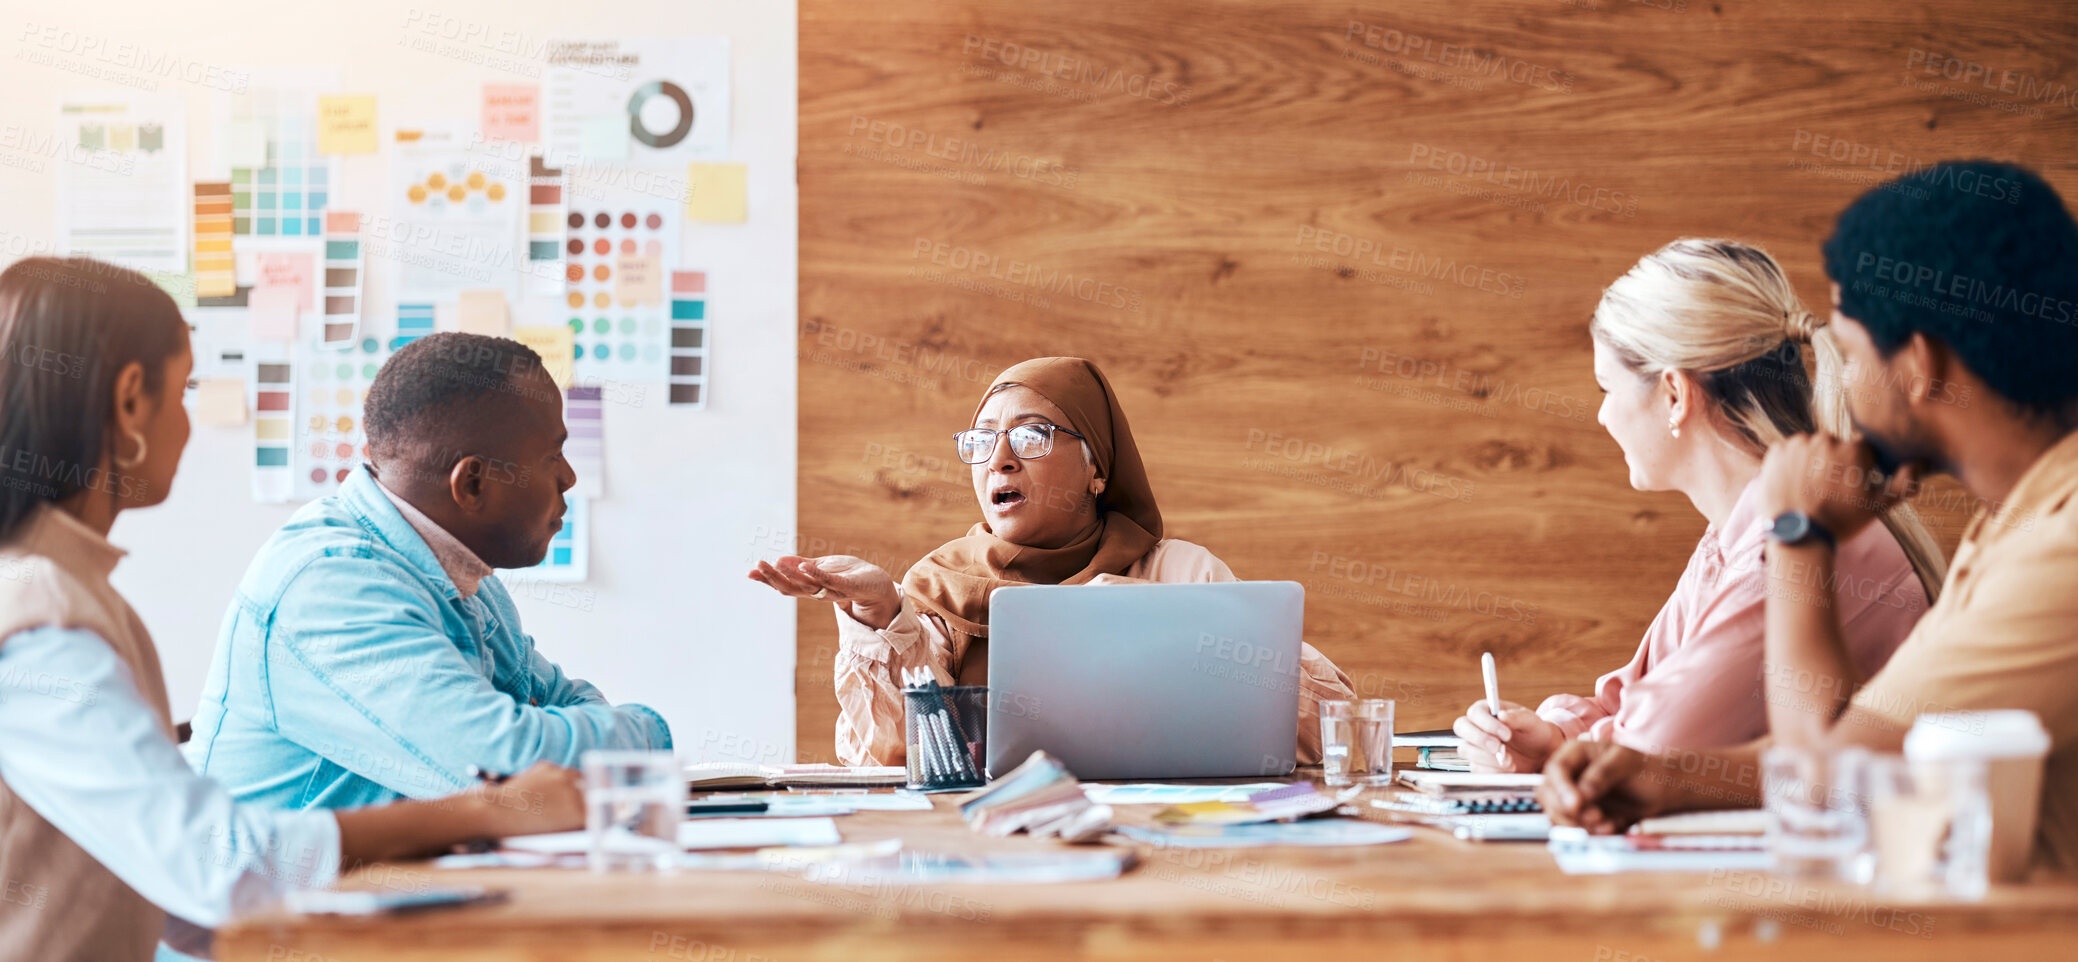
x,y
869,693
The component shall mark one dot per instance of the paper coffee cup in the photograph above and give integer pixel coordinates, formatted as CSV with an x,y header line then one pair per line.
x,y
2013,746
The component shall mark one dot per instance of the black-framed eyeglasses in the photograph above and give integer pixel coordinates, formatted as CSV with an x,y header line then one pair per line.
x,y
1027,441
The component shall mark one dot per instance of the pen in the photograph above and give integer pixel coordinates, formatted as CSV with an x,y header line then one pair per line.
x,y
1493,698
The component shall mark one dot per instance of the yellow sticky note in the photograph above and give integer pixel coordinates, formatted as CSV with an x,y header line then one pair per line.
x,y
346,125
482,312
220,401
717,193
638,280
556,345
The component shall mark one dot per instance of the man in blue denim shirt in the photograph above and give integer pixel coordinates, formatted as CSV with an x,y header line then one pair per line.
x,y
370,653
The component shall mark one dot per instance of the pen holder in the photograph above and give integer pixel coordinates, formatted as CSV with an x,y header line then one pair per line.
x,y
946,730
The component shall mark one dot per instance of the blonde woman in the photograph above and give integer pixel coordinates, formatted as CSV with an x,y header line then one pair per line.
x,y
1698,351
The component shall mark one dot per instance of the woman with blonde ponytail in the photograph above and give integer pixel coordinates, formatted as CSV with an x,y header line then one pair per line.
x,y
1699,354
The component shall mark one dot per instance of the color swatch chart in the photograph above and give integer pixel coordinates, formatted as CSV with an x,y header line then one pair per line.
x,y
414,321
273,407
342,278
689,338
215,266
332,387
584,414
279,182
544,228
616,261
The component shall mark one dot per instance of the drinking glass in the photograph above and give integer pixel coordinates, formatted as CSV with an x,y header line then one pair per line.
x,y
1335,738
1373,757
1816,828
633,802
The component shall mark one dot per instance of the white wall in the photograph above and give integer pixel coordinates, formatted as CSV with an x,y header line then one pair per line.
x,y
672,621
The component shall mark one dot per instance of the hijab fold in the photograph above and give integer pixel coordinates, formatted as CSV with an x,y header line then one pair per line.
x,y
955,580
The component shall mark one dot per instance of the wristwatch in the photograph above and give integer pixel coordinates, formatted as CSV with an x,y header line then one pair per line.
x,y
1796,527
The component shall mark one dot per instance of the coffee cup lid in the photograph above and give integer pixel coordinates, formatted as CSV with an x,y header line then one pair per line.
x,y
2007,733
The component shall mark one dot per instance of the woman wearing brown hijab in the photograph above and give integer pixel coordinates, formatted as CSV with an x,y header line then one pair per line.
x,y
1048,517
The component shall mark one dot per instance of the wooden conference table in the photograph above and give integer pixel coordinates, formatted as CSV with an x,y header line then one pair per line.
x,y
1431,897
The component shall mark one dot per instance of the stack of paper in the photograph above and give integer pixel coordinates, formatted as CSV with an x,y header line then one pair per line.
x,y
1161,794
1039,797
1021,868
1316,832
1296,800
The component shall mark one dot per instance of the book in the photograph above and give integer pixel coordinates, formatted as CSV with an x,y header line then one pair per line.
x,y
711,776
1579,853
1731,821
1461,803
1437,738
1443,759
1438,782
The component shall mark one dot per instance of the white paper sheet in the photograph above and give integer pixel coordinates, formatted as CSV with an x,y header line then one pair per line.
x,y
703,833
455,220
1158,794
649,100
122,165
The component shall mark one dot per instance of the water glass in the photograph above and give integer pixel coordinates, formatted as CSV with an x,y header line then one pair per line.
x,y
1336,735
1816,827
633,803
1373,755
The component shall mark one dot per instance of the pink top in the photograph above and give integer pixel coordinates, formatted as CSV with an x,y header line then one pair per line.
x,y
869,698
1696,679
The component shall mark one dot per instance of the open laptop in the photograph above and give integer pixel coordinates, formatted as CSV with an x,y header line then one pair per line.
x,y
1146,681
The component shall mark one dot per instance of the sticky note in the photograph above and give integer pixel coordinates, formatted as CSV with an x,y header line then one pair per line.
x,y
346,125
555,344
716,193
512,112
604,138
482,312
272,313
638,280
245,144
297,271
220,401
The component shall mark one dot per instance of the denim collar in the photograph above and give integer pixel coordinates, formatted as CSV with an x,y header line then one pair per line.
x,y
363,497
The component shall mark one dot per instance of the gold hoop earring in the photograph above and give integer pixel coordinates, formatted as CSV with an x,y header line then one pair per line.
x,y
128,463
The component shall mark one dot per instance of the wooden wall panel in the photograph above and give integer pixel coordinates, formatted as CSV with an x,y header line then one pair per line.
x,y
1252,200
